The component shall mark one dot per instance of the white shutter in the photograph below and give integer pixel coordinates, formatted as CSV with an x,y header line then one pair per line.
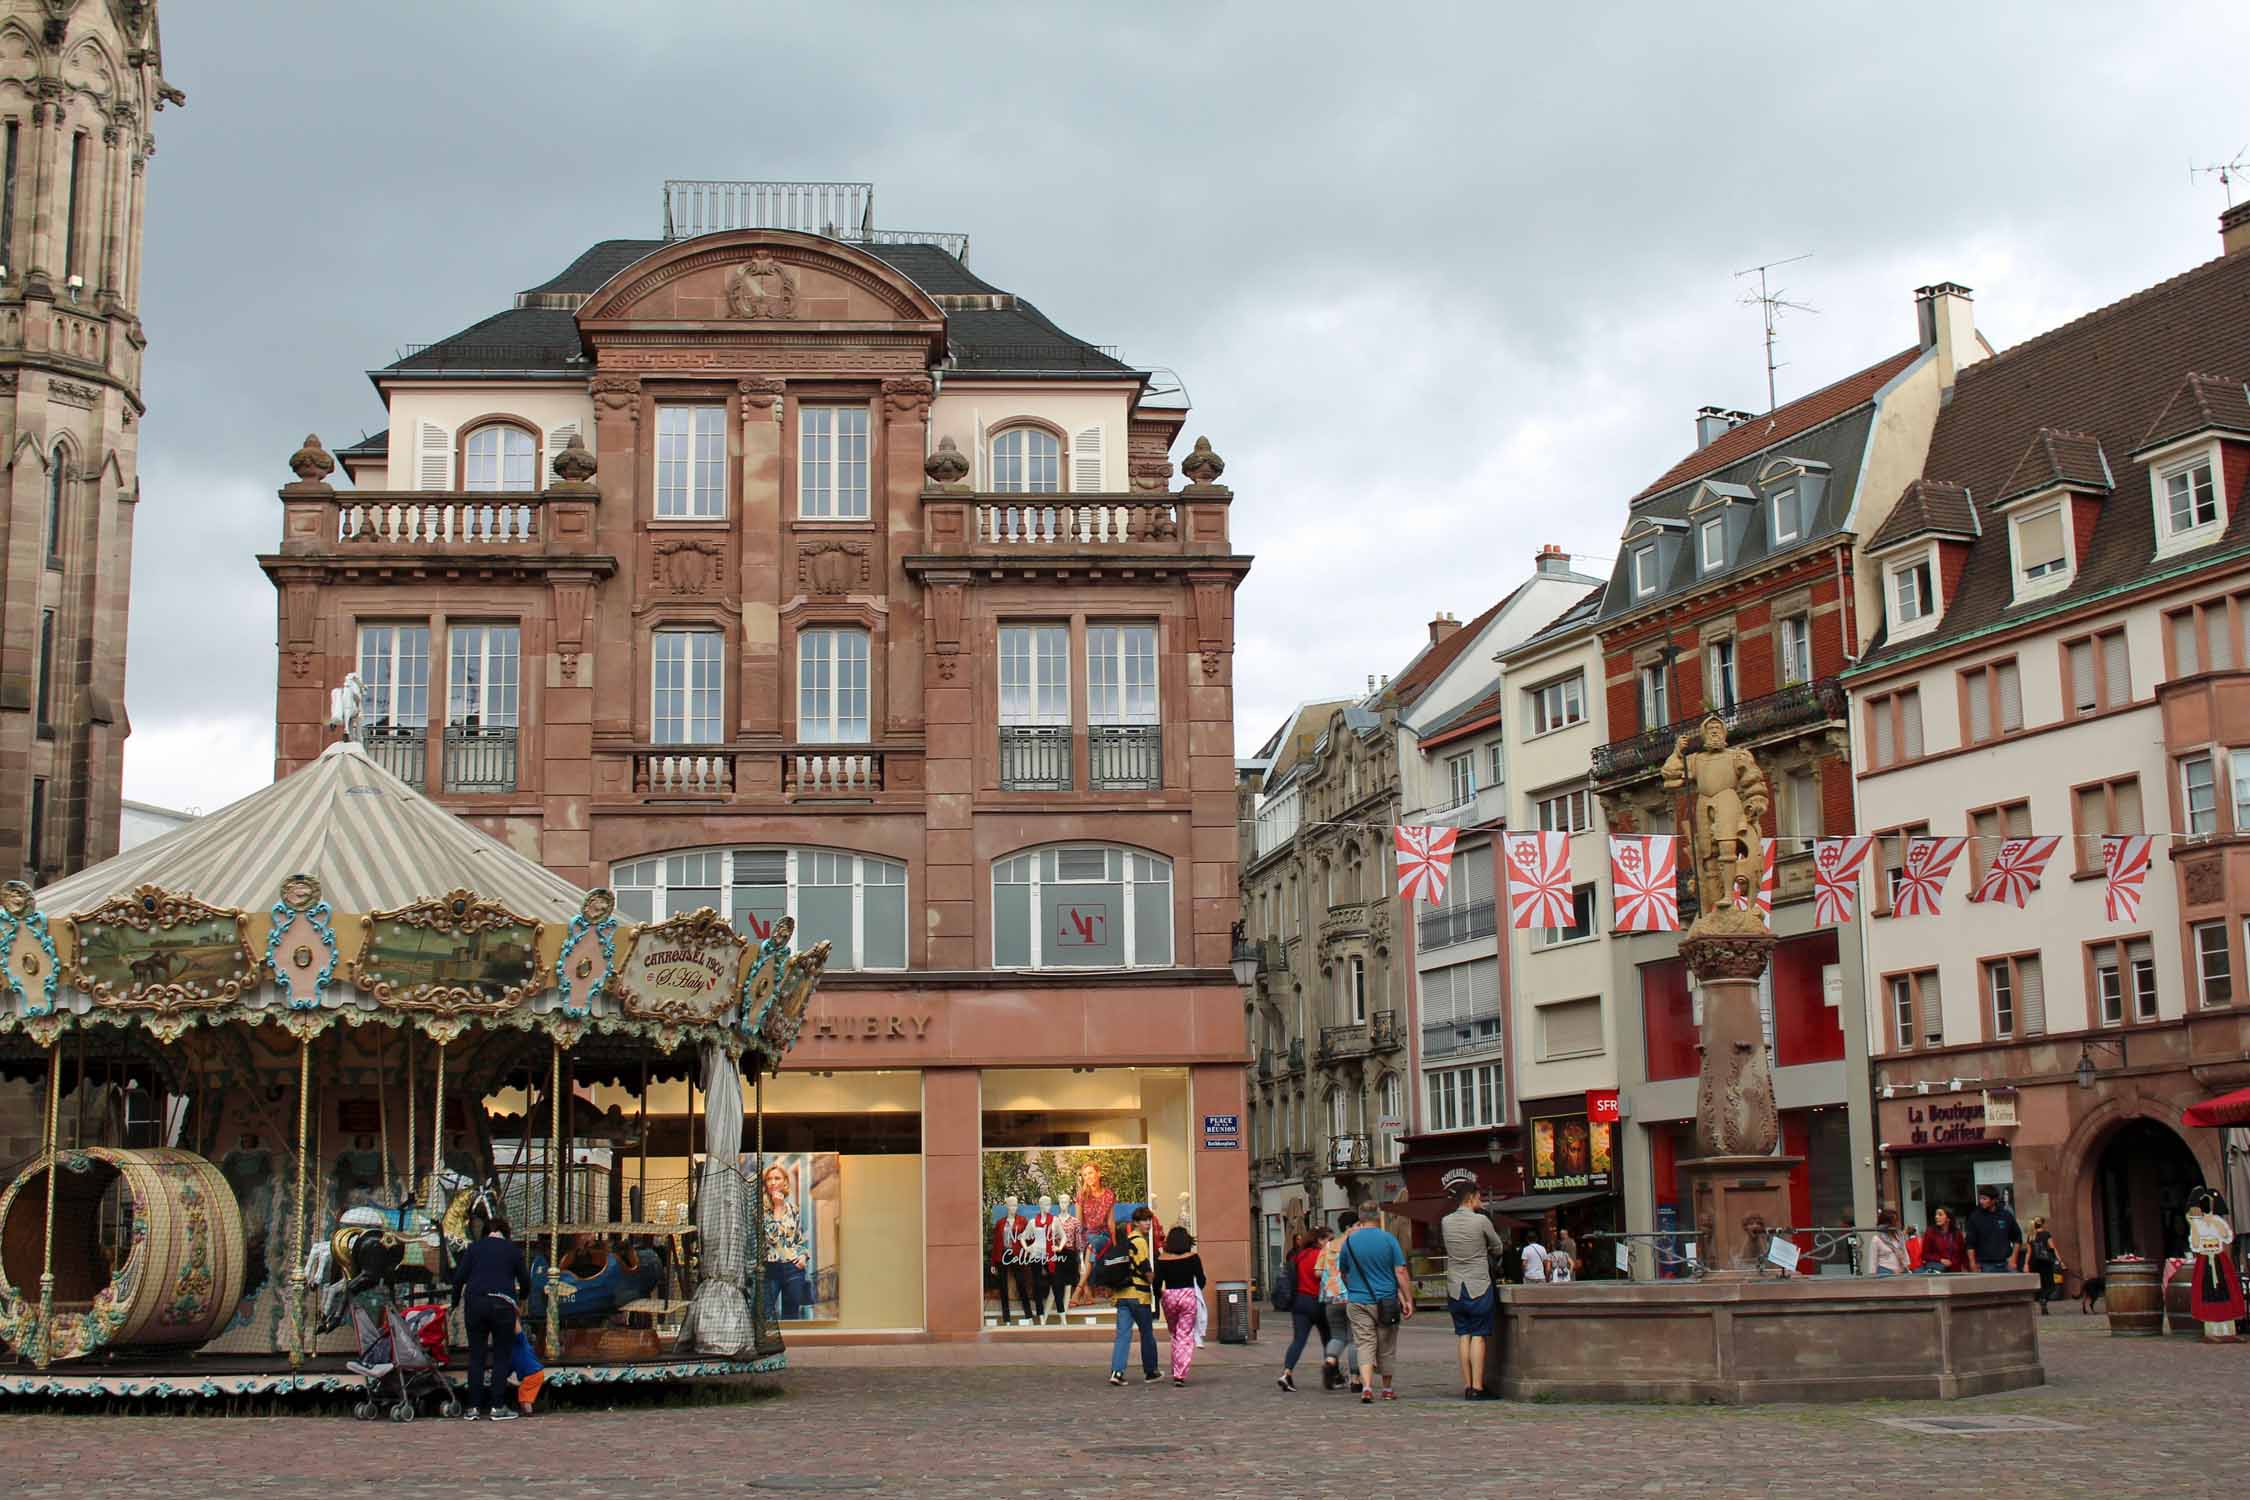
x,y
434,453
557,440
1086,462
980,461
1484,988
2117,669
2031,998
1980,708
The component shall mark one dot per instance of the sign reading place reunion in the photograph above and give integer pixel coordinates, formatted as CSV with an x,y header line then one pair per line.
x,y
1571,1152
684,970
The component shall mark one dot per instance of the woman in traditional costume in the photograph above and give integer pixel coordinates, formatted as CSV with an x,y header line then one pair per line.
x,y
2216,1301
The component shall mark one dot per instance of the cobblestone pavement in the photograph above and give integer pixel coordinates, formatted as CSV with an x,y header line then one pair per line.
x,y
2146,1417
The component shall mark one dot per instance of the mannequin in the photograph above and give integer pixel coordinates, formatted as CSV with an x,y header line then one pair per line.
x,y
1006,1255
1039,1255
1064,1243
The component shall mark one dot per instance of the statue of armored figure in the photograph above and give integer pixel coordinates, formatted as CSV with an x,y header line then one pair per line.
x,y
1727,844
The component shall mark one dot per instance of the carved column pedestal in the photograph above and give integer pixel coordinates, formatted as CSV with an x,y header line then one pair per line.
x,y
1725,1193
1737,1187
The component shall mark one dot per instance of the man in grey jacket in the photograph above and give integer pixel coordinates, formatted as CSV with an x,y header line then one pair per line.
x,y
1470,1243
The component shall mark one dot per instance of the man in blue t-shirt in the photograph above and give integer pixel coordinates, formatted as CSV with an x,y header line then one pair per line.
x,y
1374,1270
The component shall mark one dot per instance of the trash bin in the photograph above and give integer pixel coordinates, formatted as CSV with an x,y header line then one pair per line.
x,y
1233,1313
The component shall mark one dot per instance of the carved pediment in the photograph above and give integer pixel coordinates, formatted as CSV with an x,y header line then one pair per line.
x,y
761,276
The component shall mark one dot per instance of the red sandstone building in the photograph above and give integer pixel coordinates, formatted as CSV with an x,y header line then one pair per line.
x,y
811,574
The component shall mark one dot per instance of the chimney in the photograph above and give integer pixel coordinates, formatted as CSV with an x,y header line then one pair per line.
x,y
1944,320
1443,626
1552,561
2234,228
1711,424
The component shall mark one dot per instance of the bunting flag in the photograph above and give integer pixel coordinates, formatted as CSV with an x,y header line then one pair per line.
x,y
2014,872
2125,861
1835,879
1539,879
1425,859
1765,887
1644,882
1921,880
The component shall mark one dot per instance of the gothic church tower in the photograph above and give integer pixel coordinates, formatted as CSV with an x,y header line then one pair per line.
x,y
80,84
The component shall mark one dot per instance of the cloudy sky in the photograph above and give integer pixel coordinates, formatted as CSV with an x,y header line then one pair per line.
x,y
1444,283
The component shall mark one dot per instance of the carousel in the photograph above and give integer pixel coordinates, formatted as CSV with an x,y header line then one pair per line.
x,y
287,1060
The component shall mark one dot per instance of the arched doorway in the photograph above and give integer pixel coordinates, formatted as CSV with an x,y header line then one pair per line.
x,y
2141,1184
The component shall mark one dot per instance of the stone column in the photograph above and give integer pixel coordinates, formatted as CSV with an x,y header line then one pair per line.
x,y
952,1202
1736,1177
906,423
763,523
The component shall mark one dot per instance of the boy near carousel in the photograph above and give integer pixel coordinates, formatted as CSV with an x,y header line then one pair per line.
x,y
2216,1301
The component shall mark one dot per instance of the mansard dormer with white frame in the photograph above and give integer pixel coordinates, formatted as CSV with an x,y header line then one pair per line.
x,y
2197,452
2051,504
1921,550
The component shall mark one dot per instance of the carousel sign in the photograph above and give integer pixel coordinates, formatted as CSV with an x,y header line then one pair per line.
x,y
682,971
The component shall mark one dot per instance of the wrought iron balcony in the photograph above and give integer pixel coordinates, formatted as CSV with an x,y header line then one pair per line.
x,y
1458,1038
1456,924
1801,705
1339,1043
402,750
1350,1153
1273,956
1125,757
480,758
1296,1055
1035,758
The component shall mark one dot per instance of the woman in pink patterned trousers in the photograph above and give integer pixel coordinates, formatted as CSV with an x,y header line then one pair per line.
x,y
1179,1273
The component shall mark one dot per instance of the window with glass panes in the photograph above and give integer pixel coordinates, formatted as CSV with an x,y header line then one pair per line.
x,y
691,463
1656,697
1034,674
1464,1098
2097,674
1719,684
1120,674
1913,597
1567,812
1558,704
2190,499
2099,809
2199,797
687,688
1494,762
1461,778
500,456
1582,908
1026,461
1082,906
854,902
1355,980
394,671
2214,968
482,673
832,686
832,463
1796,649
2124,981
2015,997
1917,1010
1993,697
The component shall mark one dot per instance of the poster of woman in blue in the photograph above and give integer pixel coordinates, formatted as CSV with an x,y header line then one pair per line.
x,y
803,1193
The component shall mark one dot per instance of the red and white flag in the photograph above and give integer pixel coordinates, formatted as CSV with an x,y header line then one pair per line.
x,y
2125,861
1765,887
1644,882
1835,878
1539,879
1921,879
1425,858
2014,872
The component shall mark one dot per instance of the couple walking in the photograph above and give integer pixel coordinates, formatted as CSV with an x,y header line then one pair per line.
x,y
1353,1289
1176,1270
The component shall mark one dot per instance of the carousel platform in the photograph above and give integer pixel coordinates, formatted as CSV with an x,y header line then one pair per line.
x,y
221,1377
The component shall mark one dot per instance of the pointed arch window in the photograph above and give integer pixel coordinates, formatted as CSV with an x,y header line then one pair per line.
x,y
58,480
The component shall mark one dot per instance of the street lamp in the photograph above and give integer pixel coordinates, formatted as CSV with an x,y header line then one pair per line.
x,y
1245,959
2086,1070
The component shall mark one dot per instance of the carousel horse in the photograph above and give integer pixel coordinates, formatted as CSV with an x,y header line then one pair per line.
x,y
597,1279
368,1247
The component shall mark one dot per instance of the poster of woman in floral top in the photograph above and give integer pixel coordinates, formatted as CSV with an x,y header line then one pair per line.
x,y
803,1192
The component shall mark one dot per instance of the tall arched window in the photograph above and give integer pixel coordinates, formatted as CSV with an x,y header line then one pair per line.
x,y
499,456
1082,906
856,902
58,478
1027,461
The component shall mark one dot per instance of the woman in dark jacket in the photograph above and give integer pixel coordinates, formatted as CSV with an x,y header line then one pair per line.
x,y
1943,1247
490,1283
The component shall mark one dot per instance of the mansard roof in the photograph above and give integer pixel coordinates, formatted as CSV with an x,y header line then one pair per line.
x,y
1928,508
2055,457
1781,424
2202,403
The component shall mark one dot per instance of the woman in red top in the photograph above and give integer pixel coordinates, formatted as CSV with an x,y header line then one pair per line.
x,y
1943,1248
1306,1311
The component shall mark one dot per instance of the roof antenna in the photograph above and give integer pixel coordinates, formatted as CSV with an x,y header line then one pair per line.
x,y
1772,302
2226,172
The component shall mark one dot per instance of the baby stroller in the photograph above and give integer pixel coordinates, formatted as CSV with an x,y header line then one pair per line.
x,y
401,1362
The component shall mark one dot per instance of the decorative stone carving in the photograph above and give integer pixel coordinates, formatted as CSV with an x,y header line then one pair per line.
x,y
832,566
1152,474
1203,466
2202,883
761,397
617,395
947,468
761,287
1211,662
946,667
312,464
687,565
907,397
574,466
71,393
1734,1107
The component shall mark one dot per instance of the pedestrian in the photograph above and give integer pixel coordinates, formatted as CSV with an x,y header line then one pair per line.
x,y
1341,1354
1136,1300
1888,1253
1993,1233
1914,1247
1380,1297
490,1285
1470,1242
1305,1310
1534,1259
1179,1271
2044,1261
1943,1249
1562,1261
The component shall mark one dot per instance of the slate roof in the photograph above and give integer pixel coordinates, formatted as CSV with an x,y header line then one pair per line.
x,y
1927,508
1782,422
1015,338
1574,618
374,445
2113,375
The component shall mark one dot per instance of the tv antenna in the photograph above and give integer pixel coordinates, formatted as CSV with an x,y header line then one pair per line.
x,y
1772,302
2226,172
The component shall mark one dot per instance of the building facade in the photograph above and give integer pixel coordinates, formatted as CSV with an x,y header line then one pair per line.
x,y
2063,653
803,574
80,84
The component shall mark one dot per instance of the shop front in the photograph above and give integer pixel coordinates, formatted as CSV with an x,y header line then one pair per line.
x,y
1494,1153
1574,1183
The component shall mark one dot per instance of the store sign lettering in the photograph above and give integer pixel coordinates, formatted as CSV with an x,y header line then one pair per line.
x,y
875,1028
1083,926
1945,1124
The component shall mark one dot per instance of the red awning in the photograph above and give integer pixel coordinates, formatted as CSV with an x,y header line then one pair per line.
x,y
2227,1109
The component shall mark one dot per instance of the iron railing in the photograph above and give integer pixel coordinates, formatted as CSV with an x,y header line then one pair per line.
x,y
1456,924
402,751
1034,759
1452,1038
1794,707
480,757
1125,757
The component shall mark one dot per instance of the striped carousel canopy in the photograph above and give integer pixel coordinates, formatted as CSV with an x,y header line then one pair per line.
x,y
372,841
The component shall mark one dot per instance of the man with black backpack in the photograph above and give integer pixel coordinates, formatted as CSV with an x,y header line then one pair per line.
x,y
1125,1267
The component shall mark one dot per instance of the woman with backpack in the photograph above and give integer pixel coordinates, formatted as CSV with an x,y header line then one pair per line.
x,y
1301,1277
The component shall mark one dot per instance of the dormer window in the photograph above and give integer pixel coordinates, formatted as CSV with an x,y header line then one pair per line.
x,y
2191,500
2040,549
1711,544
1913,593
1787,524
1644,571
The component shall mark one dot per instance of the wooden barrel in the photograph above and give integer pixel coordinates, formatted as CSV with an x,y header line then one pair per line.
x,y
172,1226
2135,1298
2179,1295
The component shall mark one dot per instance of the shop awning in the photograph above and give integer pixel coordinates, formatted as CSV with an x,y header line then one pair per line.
x,y
2227,1109
1539,1203
1430,1210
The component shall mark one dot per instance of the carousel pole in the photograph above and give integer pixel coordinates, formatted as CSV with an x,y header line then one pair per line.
x,y
437,1133
47,1253
554,1216
303,1210
641,1213
383,1115
413,1157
